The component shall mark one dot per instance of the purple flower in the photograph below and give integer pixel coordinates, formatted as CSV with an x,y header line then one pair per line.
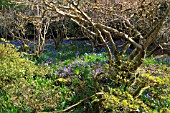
x,y
98,70
75,61
50,60
65,42
2,42
77,53
61,69
71,41
65,69
62,74
69,69
54,52
42,63
148,95
78,64
15,42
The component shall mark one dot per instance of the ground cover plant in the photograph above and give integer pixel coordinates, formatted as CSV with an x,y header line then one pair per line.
x,y
69,80
108,71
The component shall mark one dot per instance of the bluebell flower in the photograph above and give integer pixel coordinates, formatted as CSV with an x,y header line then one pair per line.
x,y
71,42
148,95
54,52
18,47
77,53
98,70
62,74
61,69
65,69
50,60
52,43
167,60
69,70
42,63
64,42
79,43
101,62
103,49
3,43
14,42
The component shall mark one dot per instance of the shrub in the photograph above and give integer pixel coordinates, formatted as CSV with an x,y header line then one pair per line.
x,y
16,72
24,86
12,65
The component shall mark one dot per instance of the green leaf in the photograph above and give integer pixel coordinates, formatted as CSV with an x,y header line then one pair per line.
x,y
85,71
77,71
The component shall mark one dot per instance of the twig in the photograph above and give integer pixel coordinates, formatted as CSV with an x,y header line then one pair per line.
x,y
74,105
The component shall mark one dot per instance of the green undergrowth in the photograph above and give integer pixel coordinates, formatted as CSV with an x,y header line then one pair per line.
x,y
13,70
76,79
